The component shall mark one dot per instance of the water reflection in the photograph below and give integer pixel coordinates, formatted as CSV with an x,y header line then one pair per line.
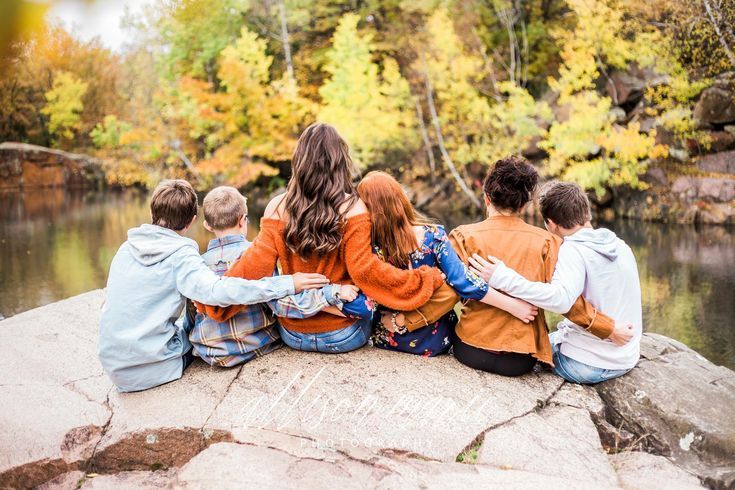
x,y
56,244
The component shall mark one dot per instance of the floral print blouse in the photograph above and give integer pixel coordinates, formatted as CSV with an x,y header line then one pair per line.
x,y
435,338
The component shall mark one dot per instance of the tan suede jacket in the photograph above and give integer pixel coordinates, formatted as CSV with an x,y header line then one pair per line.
x,y
532,252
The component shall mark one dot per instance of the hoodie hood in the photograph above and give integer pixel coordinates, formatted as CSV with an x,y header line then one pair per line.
x,y
600,240
150,244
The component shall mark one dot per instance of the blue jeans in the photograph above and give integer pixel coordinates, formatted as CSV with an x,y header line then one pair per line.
x,y
579,372
335,342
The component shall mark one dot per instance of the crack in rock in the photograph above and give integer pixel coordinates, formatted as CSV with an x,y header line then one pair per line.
x,y
479,439
224,395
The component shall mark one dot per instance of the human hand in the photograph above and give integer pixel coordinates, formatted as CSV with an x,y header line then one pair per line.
x,y
483,268
386,319
621,334
347,292
524,311
302,280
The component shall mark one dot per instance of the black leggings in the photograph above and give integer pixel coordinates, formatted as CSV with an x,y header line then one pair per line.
x,y
505,364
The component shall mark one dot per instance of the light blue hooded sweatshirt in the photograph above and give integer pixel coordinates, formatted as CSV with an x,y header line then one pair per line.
x,y
141,343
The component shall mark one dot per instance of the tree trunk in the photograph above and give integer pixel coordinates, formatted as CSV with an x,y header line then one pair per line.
x,y
427,142
287,45
440,139
721,36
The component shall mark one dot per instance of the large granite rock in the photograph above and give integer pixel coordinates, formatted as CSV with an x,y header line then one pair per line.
x,y
716,104
24,166
711,189
641,471
54,392
721,163
573,452
366,419
679,405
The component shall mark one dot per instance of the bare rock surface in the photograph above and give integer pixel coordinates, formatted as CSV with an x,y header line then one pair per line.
x,y
232,465
640,471
716,104
721,163
432,407
680,405
370,418
53,390
24,166
559,441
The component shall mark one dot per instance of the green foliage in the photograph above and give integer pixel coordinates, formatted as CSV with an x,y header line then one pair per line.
x,y
207,90
195,32
373,111
585,146
464,114
516,120
64,104
107,134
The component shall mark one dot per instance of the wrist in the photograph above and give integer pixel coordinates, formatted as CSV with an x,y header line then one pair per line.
x,y
329,294
399,326
496,278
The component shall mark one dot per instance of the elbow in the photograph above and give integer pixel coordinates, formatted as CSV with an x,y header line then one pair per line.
x,y
563,308
217,314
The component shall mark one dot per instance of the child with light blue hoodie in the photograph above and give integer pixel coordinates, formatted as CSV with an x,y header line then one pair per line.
x,y
594,263
142,343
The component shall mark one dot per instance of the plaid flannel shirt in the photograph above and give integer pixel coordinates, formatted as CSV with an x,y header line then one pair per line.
x,y
252,332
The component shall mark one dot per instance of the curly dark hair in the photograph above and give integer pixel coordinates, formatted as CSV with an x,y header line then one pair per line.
x,y
321,184
511,183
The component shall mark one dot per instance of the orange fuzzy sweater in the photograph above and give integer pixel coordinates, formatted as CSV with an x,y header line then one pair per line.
x,y
351,263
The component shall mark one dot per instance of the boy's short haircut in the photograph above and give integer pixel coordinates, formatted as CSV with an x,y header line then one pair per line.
x,y
173,204
223,207
565,203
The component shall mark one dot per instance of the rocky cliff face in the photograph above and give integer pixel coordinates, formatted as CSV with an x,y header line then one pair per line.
x,y
696,184
367,419
24,166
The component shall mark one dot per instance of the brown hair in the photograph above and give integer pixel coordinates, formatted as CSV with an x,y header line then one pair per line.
x,y
320,185
565,203
173,204
392,215
511,183
223,207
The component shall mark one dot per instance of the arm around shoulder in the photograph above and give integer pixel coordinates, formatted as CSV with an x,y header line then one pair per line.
x,y
392,287
199,283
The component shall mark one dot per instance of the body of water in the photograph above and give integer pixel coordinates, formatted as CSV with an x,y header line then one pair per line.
x,y
56,244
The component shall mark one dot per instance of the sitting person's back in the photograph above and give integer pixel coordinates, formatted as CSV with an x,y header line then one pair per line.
x,y
531,250
591,262
319,225
252,332
142,342
612,285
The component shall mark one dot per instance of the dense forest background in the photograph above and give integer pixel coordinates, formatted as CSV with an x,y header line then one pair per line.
x,y
219,90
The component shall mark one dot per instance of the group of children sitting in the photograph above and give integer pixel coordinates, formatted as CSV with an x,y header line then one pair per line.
x,y
148,336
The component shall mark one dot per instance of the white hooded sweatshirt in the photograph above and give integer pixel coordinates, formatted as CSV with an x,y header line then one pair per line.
x,y
601,267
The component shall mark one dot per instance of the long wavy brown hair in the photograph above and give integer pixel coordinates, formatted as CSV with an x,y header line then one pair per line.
x,y
392,216
320,186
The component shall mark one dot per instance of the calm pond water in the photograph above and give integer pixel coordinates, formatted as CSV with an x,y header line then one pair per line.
x,y
56,244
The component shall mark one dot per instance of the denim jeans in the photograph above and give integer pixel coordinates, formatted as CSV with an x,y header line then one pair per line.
x,y
579,372
337,341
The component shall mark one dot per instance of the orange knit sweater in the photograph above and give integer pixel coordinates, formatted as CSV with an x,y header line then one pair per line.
x,y
351,263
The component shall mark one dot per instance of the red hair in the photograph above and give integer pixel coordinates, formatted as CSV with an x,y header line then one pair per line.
x,y
392,215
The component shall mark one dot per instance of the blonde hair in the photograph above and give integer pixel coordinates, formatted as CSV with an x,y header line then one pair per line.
x,y
223,207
